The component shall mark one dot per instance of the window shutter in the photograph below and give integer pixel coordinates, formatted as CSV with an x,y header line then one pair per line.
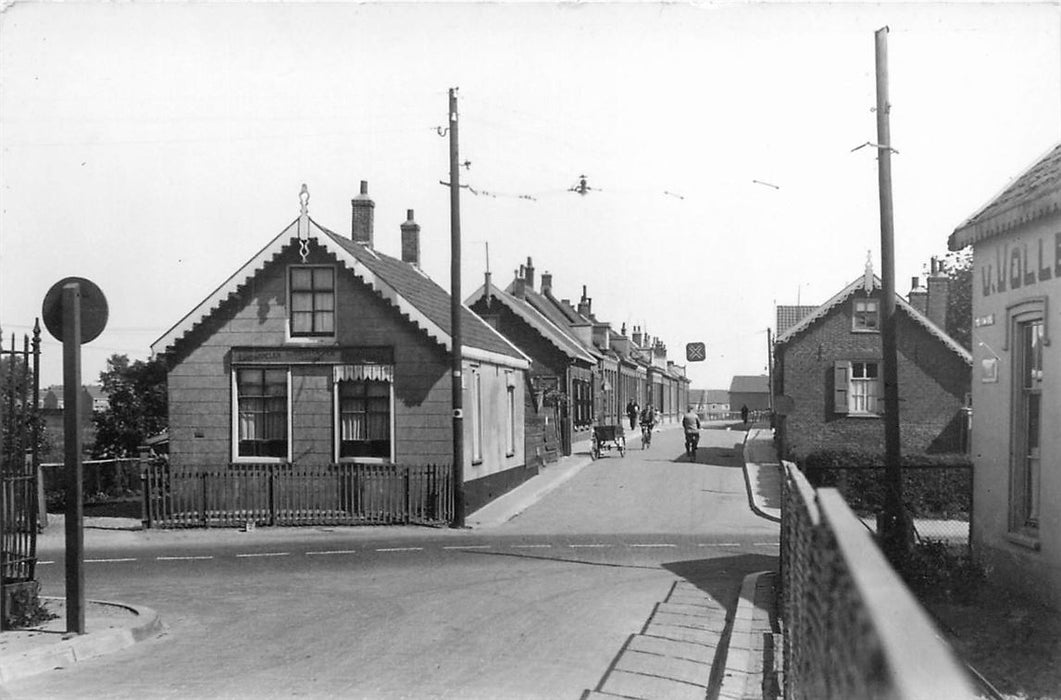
x,y
841,375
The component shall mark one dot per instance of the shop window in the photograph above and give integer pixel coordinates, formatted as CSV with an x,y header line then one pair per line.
x,y
364,410
1029,336
312,307
262,413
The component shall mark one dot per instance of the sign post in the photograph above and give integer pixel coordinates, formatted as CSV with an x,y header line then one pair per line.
x,y
695,352
75,312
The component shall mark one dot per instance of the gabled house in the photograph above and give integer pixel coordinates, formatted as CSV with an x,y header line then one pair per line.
x,y
558,360
321,349
1016,387
827,365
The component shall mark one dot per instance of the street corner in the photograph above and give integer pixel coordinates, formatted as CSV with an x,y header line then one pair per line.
x,y
110,627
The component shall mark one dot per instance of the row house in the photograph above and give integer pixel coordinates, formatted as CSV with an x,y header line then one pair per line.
x,y
562,336
321,349
1016,388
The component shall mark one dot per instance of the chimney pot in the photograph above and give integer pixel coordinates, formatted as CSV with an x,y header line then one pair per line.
x,y
529,276
547,283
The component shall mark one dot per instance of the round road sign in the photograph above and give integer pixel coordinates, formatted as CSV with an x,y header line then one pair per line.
x,y
93,309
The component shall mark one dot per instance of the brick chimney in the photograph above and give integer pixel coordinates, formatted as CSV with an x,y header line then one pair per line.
x,y
938,295
362,208
918,296
410,240
528,275
636,336
547,283
585,304
519,285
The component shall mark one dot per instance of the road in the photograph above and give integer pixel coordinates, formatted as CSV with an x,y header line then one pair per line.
x,y
538,607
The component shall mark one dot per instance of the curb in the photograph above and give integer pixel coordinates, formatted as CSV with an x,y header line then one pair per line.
x,y
756,508
741,645
76,649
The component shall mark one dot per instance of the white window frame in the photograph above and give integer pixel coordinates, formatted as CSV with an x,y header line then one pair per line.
x,y
477,416
234,432
858,324
845,396
337,429
1025,478
317,338
510,412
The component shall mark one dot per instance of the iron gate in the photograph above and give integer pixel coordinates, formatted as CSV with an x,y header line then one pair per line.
x,y
20,421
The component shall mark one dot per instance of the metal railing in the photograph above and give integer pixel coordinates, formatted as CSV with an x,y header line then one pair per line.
x,y
851,627
289,494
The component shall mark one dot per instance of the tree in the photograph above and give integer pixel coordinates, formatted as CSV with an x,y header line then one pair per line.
x,y
958,266
138,406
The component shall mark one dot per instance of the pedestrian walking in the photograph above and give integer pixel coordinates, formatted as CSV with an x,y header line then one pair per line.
x,y
744,414
632,411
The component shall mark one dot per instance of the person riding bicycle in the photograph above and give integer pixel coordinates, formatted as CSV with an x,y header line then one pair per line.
x,y
691,425
648,422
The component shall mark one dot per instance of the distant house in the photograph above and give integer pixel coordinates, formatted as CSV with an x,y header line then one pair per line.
x,y
1016,387
321,349
828,365
51,404
752,391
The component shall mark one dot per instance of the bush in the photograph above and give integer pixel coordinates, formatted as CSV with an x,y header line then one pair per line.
x,y
934,486
934,571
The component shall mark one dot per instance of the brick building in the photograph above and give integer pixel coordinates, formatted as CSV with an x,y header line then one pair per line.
x,y
828,365
752,391
321,349
1016,388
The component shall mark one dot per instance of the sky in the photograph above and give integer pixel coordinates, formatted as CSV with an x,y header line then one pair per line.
x,y
154,148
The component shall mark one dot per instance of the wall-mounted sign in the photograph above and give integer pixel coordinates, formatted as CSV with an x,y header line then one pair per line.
x,y
989,370
981,321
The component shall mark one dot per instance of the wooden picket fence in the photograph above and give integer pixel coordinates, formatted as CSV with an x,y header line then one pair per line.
x,y
289,494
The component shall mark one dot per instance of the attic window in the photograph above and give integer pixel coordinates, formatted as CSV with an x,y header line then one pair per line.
x,y
312,290
865,315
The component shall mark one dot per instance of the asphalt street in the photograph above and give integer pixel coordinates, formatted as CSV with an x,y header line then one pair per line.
x,y
537,607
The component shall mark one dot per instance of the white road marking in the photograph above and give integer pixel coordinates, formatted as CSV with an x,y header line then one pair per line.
x,y
661,544
189,558
264,554
332,551
469,546
400,549
109,561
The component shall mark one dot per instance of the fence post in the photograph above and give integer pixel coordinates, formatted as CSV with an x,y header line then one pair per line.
x,y
408,495
42,502
272,495
202,502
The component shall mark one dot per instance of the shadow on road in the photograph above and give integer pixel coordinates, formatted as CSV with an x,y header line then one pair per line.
x,y
720,577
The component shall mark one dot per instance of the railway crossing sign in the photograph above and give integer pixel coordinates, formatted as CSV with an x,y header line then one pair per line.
x,y
695,352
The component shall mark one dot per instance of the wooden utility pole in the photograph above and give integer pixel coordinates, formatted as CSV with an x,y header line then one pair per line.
x,y
770,369
455,314
893,525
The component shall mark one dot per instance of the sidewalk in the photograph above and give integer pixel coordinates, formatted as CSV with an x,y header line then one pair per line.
x,y
109,627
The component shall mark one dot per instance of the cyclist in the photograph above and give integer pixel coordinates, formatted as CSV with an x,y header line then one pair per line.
x,y
648,422
691,425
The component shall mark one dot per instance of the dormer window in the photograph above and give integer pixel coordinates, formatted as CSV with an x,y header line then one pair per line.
x,y
865,315
312,292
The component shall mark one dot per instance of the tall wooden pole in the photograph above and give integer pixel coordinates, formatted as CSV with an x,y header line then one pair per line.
x,y
455,314
893,523
75,544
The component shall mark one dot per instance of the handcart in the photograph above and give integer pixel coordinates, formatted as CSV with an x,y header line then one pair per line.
x,y
607,438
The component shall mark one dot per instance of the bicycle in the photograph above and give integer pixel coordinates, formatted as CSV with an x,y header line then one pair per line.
x,y
646,436
692,440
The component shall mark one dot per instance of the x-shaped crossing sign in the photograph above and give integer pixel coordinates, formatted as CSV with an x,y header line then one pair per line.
x,y
695,352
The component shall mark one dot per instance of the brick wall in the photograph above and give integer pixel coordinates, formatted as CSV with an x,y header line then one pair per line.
x,y
933,381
